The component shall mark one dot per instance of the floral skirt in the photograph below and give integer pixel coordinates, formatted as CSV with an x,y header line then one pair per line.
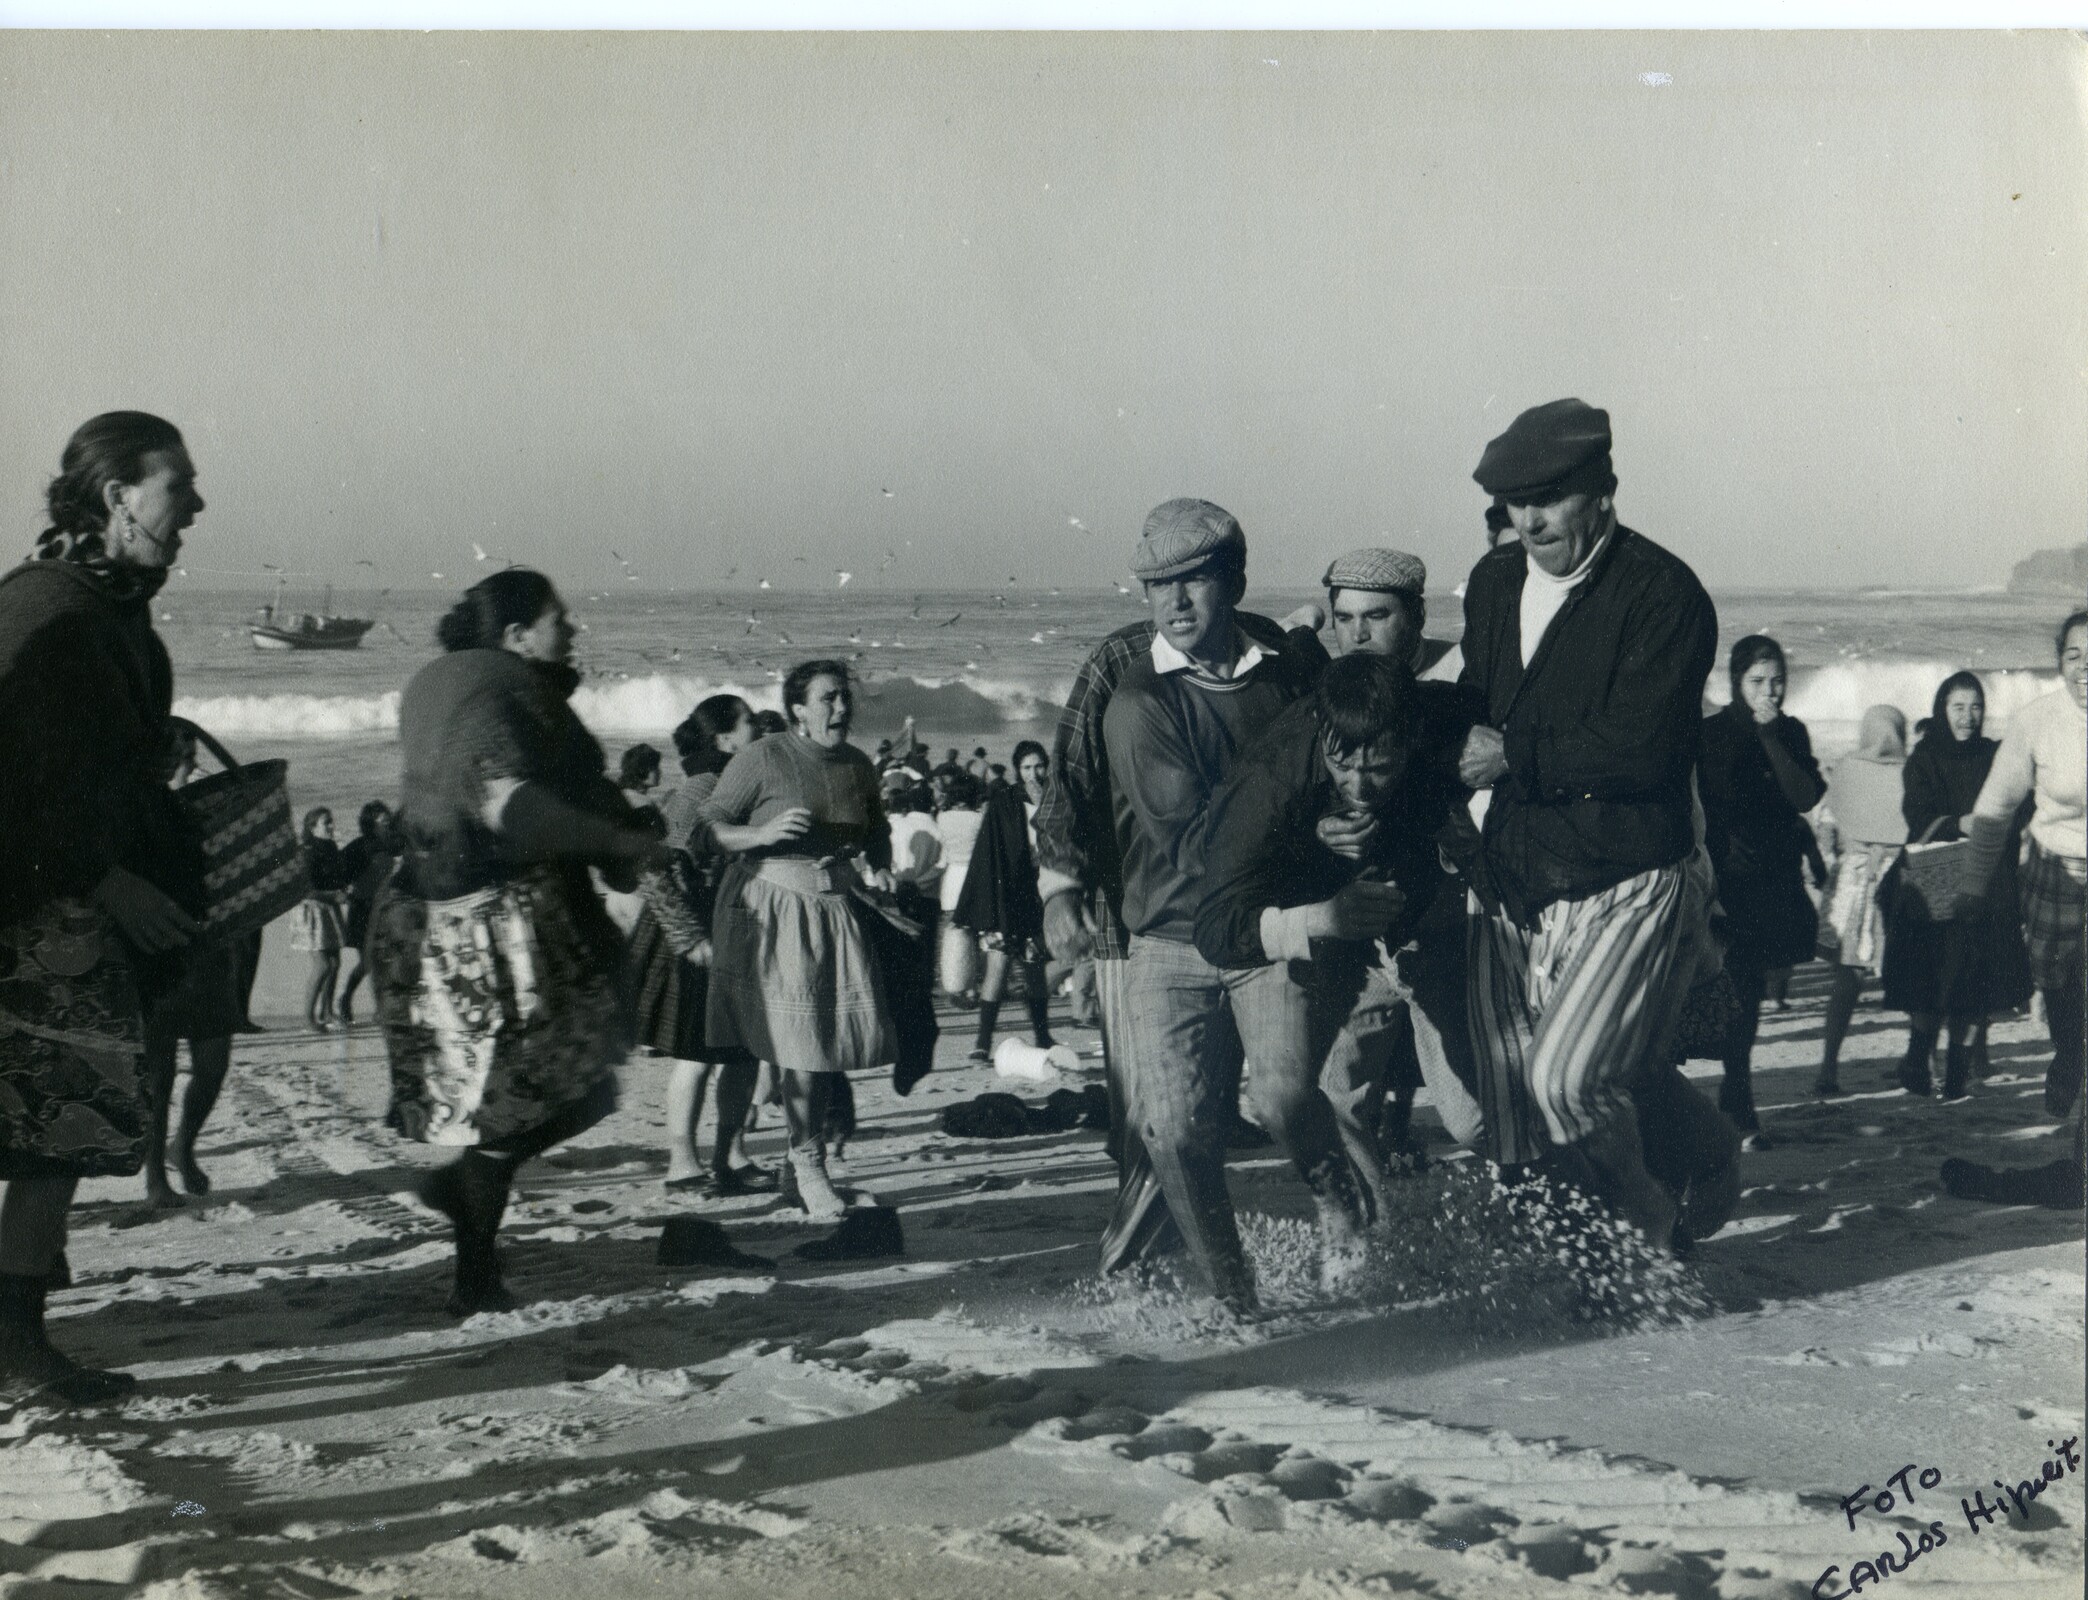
x,y
500,1013
72,1092
1852,927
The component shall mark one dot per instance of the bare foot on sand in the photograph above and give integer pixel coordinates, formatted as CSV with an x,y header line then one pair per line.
x,y
160,1195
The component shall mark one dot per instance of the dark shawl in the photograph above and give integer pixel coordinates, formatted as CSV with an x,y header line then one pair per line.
x,y
467,720
85,689
1000,885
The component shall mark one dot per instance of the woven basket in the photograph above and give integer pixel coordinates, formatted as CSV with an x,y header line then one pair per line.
x,y
253,867
1931,876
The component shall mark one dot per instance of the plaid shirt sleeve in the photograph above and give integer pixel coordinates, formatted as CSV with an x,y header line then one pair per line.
x,y
1077,802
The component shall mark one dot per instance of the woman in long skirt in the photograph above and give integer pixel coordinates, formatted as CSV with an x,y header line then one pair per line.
x,y
1943,972
1758,778
1864,833
495,967
670,953
793,977
100,882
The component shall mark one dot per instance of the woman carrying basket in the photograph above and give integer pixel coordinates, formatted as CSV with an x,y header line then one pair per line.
x,y
2044,756
1940,970
494,964
101,879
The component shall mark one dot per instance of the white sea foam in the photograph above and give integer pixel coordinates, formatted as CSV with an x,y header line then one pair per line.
x,y
648,706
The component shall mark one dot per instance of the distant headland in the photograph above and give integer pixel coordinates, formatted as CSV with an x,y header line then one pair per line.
x,y
2059,572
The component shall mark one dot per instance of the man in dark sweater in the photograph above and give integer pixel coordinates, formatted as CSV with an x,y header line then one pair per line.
x,y
1177,721
1590,645
1323,885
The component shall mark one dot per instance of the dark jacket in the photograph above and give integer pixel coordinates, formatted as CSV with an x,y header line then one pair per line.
x,y
85,688
1076,820
1601,730
1264,849
1172,740
1756,837
1000,884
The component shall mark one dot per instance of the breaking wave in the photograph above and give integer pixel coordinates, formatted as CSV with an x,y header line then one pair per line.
x,y
1834,696
648,706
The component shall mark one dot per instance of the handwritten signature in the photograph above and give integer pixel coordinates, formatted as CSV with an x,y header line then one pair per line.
x,y
2013,1500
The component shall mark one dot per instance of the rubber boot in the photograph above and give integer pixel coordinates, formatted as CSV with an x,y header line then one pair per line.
x,y
1957,1066
31,1367
1914,1065
1039,1005
472,1192
1343,1221
989,1019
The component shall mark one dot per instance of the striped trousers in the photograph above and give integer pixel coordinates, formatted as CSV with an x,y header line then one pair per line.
x,y
1566,1015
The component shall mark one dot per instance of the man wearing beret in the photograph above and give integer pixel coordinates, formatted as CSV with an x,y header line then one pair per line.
x,y
1590,644
1175,725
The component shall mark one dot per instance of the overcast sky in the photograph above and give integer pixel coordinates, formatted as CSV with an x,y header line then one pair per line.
x,y
717,301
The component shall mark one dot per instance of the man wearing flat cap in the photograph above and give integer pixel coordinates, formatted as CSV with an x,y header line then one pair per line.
x,y
1179,717
1590,645
1080,863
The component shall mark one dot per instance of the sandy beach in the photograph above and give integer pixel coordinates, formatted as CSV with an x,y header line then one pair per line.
x,y
982,1413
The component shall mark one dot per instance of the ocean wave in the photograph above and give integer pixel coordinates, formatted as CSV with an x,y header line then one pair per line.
x,y
1840,692
1835,695
641,706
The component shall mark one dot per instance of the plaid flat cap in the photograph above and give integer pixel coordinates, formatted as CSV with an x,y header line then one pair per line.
x,y
1386,571
1549,451
1181,535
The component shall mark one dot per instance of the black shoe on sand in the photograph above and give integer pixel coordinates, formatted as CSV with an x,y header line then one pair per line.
x,y
698,1242
865,1234
2056,1184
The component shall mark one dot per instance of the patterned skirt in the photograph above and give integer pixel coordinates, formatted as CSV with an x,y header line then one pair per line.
x,y
1852,927
672,995
501,1014
2054,904
72,1093
793,979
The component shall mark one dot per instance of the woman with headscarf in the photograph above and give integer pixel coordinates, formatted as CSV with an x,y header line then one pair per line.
x,y
999,900
100,880
2044,757
793,977
1863,832
494,964
670,955
1757,778
1950,971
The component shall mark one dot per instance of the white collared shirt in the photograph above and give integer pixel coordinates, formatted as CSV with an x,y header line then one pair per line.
x,y
1167,659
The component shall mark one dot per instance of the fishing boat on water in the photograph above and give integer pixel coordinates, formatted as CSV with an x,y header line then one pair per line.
x,y
273,628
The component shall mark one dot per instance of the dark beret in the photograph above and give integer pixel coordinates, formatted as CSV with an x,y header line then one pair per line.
x,y
1549,451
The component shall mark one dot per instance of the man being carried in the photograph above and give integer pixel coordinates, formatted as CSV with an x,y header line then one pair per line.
x,y
1322,844
1590,644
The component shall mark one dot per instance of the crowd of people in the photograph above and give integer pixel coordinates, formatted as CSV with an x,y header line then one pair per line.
x,y
1526,872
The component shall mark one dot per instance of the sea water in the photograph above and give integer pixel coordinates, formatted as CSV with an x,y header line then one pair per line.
x,y
971,667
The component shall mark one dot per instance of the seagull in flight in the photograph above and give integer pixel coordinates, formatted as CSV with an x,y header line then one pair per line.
x,y
916,607
952,622
478,552
1075,522
765,583
843,577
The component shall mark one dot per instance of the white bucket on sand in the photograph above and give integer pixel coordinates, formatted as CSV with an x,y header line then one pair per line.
x,y
1014,1059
